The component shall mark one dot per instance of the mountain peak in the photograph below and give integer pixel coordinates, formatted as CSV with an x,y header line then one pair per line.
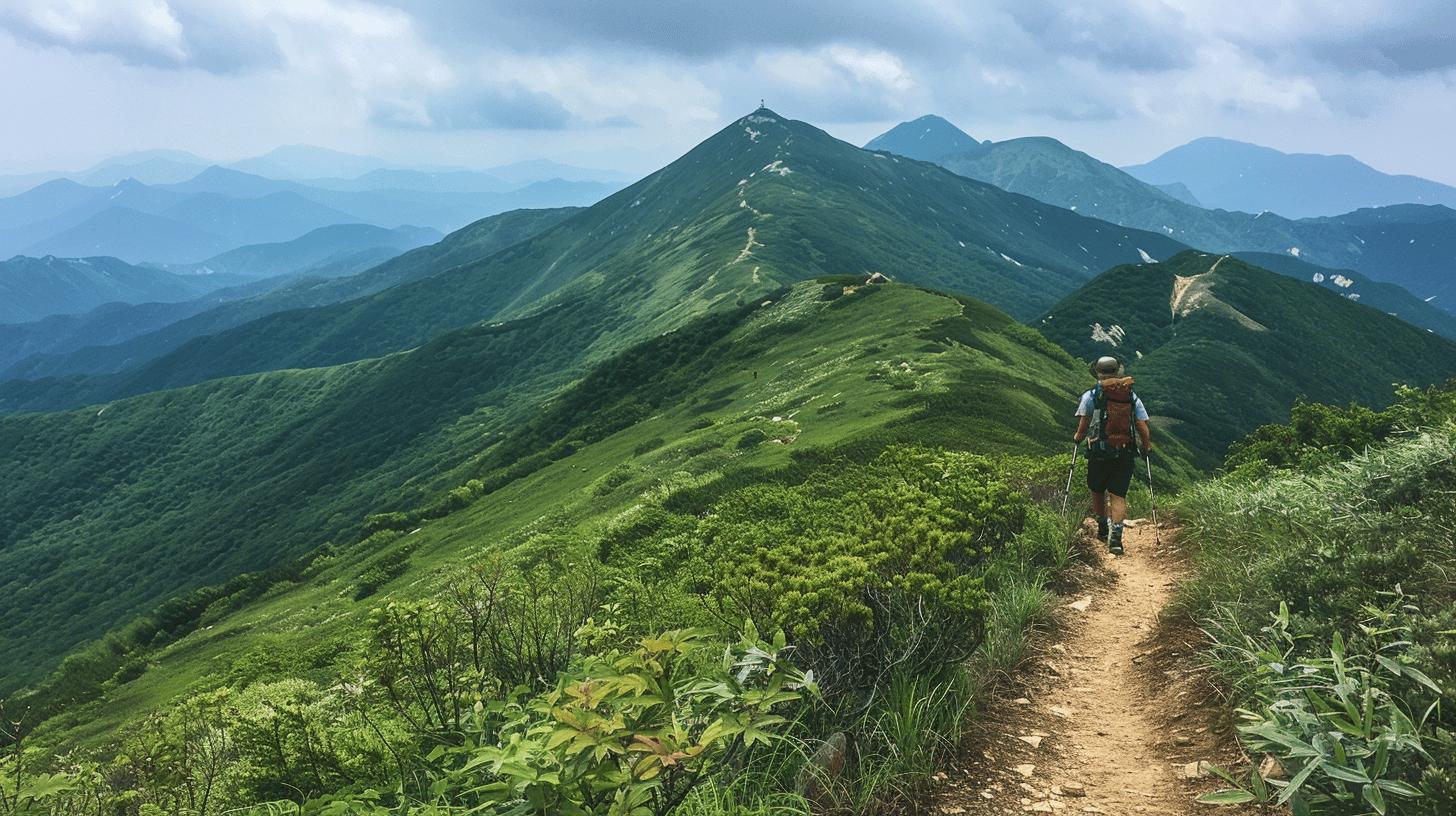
x,y
928,138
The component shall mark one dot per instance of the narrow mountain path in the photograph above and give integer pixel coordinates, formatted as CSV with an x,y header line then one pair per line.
x,y
1113,721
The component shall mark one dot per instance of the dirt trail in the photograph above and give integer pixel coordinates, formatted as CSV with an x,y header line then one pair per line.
x,y
1117,719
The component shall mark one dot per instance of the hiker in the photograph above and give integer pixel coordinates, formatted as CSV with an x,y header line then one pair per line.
x,y
1109,414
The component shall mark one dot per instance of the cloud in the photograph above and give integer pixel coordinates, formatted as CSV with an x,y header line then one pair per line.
x,y
510,107
140,31
650,72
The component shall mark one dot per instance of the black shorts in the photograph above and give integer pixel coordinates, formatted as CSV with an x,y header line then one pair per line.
x,y
1112,475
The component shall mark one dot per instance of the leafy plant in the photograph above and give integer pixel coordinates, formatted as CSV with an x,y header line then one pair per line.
x,y
1338,723
633,733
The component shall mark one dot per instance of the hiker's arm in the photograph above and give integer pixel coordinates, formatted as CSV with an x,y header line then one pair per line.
x,y
1082,423
1146,433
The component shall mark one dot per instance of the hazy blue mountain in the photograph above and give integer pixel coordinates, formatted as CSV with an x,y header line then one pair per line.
x,y
928,139
1231,175
111,339
1180,191
33,288
314,247
298,162
148,167
453,181
42,202
132,236
270,218
532,170
234,183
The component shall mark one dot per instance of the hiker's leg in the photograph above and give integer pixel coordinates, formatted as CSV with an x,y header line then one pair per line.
x,y
1118,480
1116,508
1099,504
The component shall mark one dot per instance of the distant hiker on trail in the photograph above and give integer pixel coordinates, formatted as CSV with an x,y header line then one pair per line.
x,y
1109,414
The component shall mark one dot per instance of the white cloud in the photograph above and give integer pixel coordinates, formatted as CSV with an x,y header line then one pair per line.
x,y
143,30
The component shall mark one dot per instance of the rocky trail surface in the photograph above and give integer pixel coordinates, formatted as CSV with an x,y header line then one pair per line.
x,y
1116,718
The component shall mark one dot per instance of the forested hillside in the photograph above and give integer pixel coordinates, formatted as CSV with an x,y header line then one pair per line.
x,y
1219,346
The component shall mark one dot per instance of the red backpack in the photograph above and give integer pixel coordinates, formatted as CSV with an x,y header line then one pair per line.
x,y
1113,419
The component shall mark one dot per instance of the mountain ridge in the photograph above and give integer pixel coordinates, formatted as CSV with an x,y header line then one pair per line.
x,y
740,214
1234,175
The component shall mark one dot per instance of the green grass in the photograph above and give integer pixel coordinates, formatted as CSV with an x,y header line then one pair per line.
x,y
804,354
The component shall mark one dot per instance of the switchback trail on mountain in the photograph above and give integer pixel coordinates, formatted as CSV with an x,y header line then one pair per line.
x,y
1116,718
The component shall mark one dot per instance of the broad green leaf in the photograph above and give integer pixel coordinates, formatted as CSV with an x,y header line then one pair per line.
x,y
1231,796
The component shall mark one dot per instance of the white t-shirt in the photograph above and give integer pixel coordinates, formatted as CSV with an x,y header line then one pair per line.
x,y
1084,408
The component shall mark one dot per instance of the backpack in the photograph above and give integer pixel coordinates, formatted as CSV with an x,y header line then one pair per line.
x,y
1113,425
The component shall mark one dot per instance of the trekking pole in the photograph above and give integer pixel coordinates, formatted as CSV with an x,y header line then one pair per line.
x,y
1066,495
1153,499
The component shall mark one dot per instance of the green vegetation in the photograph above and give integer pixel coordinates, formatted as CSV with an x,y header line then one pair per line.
x,y
1324,559
1220,346
1385,297
443,664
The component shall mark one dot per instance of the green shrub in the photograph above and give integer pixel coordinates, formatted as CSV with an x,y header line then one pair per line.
x,y
751,439
865,568
381,570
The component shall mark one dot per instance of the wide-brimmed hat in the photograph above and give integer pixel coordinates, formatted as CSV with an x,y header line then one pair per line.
x,y
1104,367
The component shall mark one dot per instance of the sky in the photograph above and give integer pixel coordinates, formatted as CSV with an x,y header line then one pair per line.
x,y
631,84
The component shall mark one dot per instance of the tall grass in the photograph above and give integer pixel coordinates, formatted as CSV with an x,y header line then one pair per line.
x,y
1329,601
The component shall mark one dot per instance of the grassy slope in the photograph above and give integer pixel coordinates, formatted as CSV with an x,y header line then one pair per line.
x,y
823,368
123,340
1213,377
677,244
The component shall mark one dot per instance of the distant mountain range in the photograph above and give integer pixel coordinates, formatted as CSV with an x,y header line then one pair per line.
x,y
1230,175
306,163
326,266
1410,245
218,209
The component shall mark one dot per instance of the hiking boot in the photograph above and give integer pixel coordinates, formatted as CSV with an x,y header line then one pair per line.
x,y
1102,527
1114,541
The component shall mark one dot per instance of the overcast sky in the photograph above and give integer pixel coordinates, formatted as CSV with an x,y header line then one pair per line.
x,y
630,84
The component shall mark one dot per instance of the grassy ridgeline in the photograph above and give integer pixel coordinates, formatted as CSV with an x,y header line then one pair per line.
x,y
1326,586
829,436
